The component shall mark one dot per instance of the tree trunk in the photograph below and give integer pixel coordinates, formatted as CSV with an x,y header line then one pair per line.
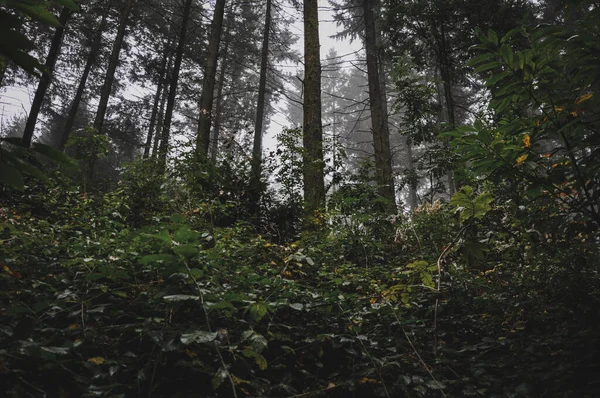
x,y
112,67
380,129
40,93
412,188
208,86
255,185
166,133
219,105
3,65
447,82
157,99
312,135
82,83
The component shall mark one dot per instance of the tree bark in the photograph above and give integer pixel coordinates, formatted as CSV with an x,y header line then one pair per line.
x,y
380,129
166,133
214,143
412,188
3,65
208,86
312,135
157,99
255,185
112,67
44,83
82,83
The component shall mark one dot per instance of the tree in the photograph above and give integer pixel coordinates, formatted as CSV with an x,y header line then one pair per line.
x,y
378,104
164,144
91,58
45,79
208,86
312,135
112,67
260,113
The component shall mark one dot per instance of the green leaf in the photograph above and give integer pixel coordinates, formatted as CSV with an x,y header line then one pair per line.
x,y
158,258
492,37
198,336
257,341
258,311
177,218
56,155
223,305
488,66
219,378
185,235
181,297
11,176
187,251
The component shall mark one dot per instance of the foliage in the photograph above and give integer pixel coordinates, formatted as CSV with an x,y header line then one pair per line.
x,y
14,45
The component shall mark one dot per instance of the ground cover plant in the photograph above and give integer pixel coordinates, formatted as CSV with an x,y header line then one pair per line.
x,y
173,279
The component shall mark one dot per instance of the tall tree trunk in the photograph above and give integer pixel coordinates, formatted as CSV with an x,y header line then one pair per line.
x,y
380,129
208,86
161,112
448,98
412,187
157,98
40,93
112,67
312,135
166,132
82,83
214,143
255,185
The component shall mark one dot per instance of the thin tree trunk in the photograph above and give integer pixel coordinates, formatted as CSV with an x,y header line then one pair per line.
x,y
208,86
412,187
380,129
161,113
219,105
82,83
166,133
312,136
44,83
447,82
255,185
112,67
157,99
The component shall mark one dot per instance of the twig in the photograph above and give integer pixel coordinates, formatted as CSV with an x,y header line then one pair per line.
x,y
387,394
187,267
425,366
439,285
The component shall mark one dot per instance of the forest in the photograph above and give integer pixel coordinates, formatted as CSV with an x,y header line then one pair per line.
x,y
200,199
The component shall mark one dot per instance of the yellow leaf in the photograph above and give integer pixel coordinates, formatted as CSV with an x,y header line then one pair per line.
x,y
365,380
521,159
584,97
527,140
559,109
73,326
96,360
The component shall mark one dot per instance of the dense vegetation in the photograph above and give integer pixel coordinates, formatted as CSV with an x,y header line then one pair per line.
x,y
191,276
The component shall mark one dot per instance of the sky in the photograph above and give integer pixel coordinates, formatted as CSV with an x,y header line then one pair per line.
x,y
16,101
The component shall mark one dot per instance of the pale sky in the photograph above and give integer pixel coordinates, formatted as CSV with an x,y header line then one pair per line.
x,y
17,100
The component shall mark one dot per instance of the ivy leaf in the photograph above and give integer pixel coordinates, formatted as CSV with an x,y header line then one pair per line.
x,y
199,336
219,378
158,258
181,297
